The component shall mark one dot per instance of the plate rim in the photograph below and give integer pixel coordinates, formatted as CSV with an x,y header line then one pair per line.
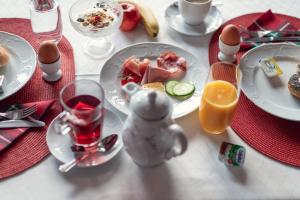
x,y
190,34
137,44
33,68
258,104
120,147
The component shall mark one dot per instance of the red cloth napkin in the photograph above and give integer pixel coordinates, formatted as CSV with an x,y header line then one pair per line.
x,y
7,136
267,21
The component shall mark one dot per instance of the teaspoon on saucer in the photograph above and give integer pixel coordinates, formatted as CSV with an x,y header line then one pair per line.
x,y
106,144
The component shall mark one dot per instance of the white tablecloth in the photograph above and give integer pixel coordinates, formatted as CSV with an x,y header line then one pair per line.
x,y
197,174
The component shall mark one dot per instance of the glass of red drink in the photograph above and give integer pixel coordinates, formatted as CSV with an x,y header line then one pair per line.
x,y
83,114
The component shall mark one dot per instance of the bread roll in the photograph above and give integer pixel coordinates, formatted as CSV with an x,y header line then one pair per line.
x,y
294,83
4,57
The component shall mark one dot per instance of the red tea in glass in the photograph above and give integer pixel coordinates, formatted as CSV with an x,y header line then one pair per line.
x,y
87,128
83,111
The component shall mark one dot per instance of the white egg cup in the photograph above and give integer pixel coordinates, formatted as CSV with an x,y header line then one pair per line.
x,y
227,52
52,71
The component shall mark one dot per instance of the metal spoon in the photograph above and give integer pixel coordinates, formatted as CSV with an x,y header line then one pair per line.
x,y
106,144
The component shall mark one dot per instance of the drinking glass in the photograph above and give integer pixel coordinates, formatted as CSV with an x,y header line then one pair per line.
x,y
96,19
82,118
45,19
220,97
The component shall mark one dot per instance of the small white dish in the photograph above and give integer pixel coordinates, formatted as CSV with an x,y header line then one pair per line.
x,y
52,71
60,145
272,94
211,23
21,66
227,52
111,82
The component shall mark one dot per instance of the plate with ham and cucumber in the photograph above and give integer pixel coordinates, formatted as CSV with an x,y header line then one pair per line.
x,y
164,67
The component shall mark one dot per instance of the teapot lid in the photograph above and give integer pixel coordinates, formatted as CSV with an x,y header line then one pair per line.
x,y
150,104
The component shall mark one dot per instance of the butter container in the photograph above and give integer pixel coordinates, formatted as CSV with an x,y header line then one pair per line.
x,y
270,67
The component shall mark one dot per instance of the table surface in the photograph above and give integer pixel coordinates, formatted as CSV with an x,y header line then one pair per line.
x,y
197,174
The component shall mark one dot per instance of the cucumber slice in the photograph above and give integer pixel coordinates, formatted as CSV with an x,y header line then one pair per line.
x,y
183,89
169,87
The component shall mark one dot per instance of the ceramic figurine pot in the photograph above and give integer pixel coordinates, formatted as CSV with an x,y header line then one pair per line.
x,y
149,134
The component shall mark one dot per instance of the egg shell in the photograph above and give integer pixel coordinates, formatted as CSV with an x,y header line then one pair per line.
x,y
48,52
230,35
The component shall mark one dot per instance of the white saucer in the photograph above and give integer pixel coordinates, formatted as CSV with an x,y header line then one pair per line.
x,y
210,24
59,145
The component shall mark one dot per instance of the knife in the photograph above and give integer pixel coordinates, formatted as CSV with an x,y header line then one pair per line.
x,y
272,39
21,124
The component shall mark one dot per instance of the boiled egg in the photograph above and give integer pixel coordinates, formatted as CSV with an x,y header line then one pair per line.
x,y
48,52
230,35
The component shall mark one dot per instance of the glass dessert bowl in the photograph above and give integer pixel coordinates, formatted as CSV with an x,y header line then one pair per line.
x,y
96,19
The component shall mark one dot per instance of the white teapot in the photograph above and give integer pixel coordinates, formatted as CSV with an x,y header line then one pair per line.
x,y
149,134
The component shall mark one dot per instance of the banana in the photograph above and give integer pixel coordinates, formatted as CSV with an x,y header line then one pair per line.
x,y
149,20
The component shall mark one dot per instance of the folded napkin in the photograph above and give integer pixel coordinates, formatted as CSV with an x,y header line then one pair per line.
x,y
7,136
267,21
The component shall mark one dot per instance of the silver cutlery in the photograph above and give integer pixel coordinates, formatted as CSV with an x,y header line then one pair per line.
x,y
19,113
21,123
2,77
260,34
106,144
272,39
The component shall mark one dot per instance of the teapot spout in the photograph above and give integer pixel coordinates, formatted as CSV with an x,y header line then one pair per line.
x,y
129,89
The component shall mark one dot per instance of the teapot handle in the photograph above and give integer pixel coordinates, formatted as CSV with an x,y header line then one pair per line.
x,y
129,89
180,137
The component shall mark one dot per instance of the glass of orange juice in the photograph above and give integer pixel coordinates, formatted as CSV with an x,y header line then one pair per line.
x,y
220,97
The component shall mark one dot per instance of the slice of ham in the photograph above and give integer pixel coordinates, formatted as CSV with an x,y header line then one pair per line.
x,y
169,66
155,74
136,65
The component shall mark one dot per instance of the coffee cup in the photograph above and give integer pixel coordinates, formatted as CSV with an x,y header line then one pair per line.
x,y
194,12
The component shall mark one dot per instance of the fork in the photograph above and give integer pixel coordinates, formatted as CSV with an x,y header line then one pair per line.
x,y
19,114
258,34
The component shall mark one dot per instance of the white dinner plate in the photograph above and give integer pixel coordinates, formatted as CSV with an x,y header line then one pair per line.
x,y
21,65
110,75
272,94
60,145
211,23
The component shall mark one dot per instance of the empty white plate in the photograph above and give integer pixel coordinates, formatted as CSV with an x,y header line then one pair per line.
x,y
272,94
21,66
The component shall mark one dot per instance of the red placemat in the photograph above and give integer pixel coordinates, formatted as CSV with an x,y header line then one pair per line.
x,y
277,138
31,147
